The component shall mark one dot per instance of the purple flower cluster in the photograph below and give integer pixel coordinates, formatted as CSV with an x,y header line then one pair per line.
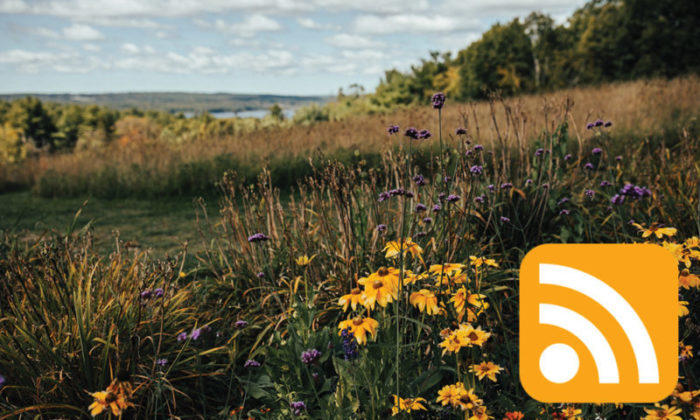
x,y
506,186
155,294
589,193
436,208
261,275
393,193
598,123
195,334
605,183
491,187
162,362
182,336
460,131
617,199
563,201
310,356
567,157
413,133
297,407
258,237
349,345
528,181
539,152
635,191
476,170
419,180
438,100
588,166
241,323
424,134
597,150
480,198
251,363
381,227
478,147
420,207
504,219
453,198
564,212
419,235
427,220
393,129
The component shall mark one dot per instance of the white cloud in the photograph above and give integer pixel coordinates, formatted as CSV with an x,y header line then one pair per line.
x,y
414,24
309,23
91,47
254,24
352,41
130,48
80,32
36,61
122,22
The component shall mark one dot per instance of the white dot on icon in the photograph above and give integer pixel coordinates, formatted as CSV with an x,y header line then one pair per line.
x,y
559,363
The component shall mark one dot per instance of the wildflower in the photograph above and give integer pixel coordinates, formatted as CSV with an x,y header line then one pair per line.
x,y
605,183
411,133
449,269
380,287
479,261
436,208
686,351
539,152
563,201
241,323
460,131
258,237
617,199
381,227
478,147
162,362
352,299
349,344
251,363
359,327
438,100
564,212
393,129
589,126
383,196
599,123
2,381
464,336
158,293
468,400
309,356
304,260
451,394
424,134
480,413
406,245
571,413
588,166
453,198
182,274
618,158
514,415
505,219
182,336
427,220
597,150
419,180
476,170
195,334
656,229
419,235
426,301
146,294
663,412
407,405
568,157
683,308
682,252
506,186
491,187
486,369
480,198
528,181
261,275
115,398
635,191
420,207
461,297
687,280
608,124
297,407
589,193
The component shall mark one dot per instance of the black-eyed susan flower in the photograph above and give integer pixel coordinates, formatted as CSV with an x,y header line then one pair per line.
x,y
687,280
447,269
352,299
683,308
479,261
663,412
682,253
394,248
426,301
474,336
304,260
406,405
686,351
571,413
461,297
380,287
480,413
359,327
655,229
114,398
486,370
514,415
452,395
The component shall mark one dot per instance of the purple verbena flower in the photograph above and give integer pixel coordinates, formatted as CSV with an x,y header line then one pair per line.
x,y
476,169
478,147
381,227
257,237
589,126
504,219
567,157
393,129
617,199
460,131
261,275
564,212
438,100
599,123
597,150
605,183
427,220
618,158
297,407
491,187
310,356
539,152
251,363
436,208
447,179
383,196
588,166
349,345
452,198
608,124
420,207
182,336
411,132
506,186
528,181
2,381
563,201
241,323
146,294
158,293
424,134
442,196
480,198
195,334
589,193
419,235
162,362
419,180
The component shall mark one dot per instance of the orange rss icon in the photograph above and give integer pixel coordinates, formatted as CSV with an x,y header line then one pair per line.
x,y
599,323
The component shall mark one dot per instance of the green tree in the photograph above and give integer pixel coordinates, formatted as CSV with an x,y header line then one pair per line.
x,y
276,112
29,116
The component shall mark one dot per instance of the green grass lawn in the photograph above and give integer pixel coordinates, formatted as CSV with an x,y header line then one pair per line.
x,y
161,225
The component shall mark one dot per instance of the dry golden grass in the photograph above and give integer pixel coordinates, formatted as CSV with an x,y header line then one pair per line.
x,y
635,108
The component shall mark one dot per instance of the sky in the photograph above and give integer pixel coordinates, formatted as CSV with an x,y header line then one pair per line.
x,y
289,47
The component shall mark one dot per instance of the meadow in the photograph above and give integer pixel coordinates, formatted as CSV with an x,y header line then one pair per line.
x,y
385,284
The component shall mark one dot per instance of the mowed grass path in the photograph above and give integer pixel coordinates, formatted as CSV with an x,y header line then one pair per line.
x,y
161,225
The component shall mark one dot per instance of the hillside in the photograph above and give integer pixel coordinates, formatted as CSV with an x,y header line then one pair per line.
x,y
176,101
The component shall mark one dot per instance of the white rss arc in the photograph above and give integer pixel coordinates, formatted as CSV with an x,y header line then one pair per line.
x,y
617,306
585,331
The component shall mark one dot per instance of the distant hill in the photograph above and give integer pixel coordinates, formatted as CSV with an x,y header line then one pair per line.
x,y
178,101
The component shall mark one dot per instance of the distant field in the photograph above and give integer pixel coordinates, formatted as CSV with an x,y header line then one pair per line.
x,y
160,225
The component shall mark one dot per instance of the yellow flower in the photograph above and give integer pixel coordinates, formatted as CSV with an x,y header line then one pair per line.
x,y
480,414
479,261
687,280
682,253
182,274
687,396
461,297
394,248
380,287
448,269
686,351
486,369
352,299
115,397
662,412
426,301
409,277
464,336
683,308
407,405
696,413
571,413
655,229
468,399
514,415
304,260
693,242
451,394
359,327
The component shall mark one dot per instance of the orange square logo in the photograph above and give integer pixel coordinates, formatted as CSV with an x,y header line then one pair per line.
x,y
599,323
